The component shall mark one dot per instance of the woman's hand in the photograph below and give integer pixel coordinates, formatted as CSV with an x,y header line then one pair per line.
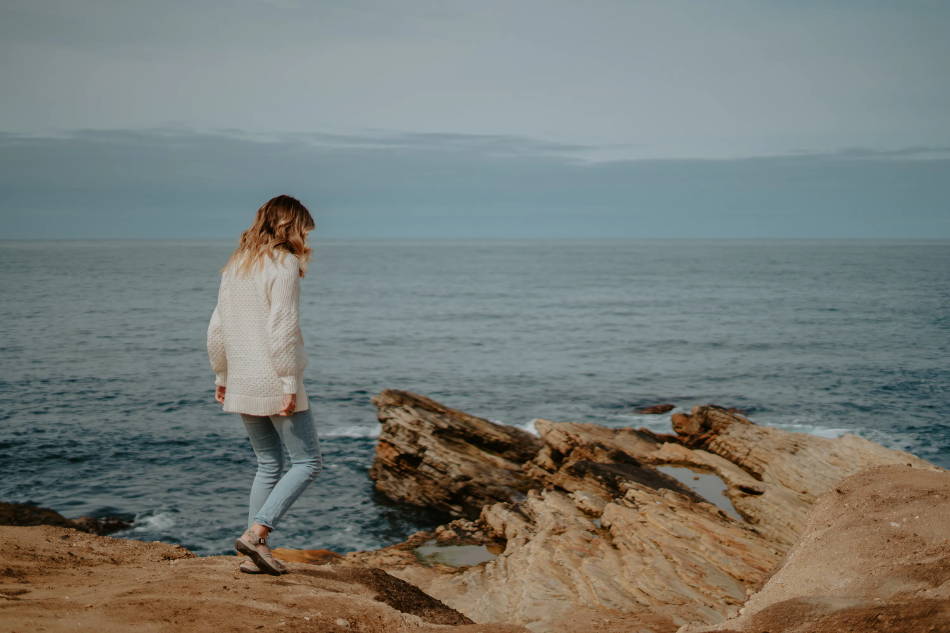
x,y
290,403
219,393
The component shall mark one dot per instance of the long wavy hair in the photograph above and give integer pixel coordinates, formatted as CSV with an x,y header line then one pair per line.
x,y
280,227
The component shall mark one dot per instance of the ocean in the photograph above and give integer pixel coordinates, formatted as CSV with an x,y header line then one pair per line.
x,y
106,394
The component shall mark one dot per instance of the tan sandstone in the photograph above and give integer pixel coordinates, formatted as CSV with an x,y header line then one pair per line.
x,y
874,556
600,538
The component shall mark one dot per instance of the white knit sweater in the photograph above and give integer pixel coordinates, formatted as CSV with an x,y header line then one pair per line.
x,y
254,341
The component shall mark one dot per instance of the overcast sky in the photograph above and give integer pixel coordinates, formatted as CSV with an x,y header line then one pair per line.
x,y
477,119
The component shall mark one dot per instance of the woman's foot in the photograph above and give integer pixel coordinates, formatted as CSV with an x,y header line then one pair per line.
x,y
249,567
255,547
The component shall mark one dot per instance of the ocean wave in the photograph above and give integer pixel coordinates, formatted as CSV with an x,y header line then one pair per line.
x,y
151,521
353,430
662,424
372,431
813,429
652,422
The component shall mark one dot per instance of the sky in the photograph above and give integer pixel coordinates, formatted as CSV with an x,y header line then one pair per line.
x,y
476,119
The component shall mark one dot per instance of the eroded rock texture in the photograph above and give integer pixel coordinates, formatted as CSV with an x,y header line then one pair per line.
x,y
772,476
436,457
874,556
591,535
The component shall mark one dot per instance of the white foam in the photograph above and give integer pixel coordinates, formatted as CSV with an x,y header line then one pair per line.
x,y
662,424
804,424
524,426
158,522
353,430
366,430
656,423
812,429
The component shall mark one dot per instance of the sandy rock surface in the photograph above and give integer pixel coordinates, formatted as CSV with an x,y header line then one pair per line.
x,y
874,557
60,579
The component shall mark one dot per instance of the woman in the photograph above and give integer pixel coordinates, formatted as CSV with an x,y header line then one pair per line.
x,y
256,351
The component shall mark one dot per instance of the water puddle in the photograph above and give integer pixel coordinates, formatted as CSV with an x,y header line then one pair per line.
x,y
709,486
430,553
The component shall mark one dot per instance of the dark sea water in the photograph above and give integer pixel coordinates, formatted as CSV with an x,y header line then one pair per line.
x,y
106,395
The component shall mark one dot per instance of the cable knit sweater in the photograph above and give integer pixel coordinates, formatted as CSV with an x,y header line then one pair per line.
x,y
254,341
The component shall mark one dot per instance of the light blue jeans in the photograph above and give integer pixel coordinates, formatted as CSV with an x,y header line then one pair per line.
x,y
271,494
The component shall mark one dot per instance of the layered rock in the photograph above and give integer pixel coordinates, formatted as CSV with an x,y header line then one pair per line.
x,y
432,456
772,477
874,556
602,538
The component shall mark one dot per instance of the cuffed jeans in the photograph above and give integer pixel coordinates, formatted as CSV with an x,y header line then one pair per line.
x,y
272,495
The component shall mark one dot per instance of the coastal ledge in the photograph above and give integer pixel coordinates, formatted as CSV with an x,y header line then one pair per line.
x,y
56,579
618,529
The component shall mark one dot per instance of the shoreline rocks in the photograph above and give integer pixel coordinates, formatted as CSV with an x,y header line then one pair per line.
x,y
433,456
656,409
28,514
600,535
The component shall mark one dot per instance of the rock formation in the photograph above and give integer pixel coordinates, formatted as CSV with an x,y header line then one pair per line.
x,y
772,477
28,514
874,556
591,533
656,409
432,456
58,579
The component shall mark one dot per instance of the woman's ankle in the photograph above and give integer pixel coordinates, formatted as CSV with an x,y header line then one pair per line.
x,y
260,530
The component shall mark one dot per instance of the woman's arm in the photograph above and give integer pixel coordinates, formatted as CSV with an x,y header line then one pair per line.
x,y
216,349
283,323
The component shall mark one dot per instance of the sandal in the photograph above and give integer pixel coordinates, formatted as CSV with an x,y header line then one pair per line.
x,y
255,547
249,567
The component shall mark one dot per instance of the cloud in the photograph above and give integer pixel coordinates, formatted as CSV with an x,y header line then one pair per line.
x,y
179,183
666,79
483,144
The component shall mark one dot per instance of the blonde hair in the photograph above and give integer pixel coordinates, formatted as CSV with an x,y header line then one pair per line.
x,y
280,227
